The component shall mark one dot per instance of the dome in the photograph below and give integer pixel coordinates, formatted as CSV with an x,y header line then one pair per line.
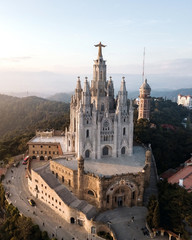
x,y
145,85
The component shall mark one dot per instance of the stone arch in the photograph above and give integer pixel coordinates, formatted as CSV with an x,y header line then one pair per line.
x,y
34,157
91,192
106,151
42,158
87,145
93,230
122,193
49,158
87,153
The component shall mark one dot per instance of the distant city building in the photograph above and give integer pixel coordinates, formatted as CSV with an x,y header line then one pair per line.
x,y
144,101
94,165
186,101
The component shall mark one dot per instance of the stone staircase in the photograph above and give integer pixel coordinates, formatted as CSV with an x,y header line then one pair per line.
x,y
152,188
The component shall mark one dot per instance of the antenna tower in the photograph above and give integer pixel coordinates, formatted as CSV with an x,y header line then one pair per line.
x,y
143,75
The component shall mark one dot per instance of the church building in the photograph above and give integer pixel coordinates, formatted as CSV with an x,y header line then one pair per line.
x,y
95,165
100,125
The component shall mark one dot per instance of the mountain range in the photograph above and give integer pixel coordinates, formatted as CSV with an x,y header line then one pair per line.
x,y
165,93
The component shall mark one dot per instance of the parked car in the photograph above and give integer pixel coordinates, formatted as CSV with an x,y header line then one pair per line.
x,y
31,202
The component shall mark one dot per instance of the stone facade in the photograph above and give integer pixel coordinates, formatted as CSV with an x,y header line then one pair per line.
x,y
46,145
100,125
106,192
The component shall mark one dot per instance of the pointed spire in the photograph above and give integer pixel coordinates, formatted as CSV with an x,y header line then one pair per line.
x,y
100,45
131,105
78,86
86,86
123,86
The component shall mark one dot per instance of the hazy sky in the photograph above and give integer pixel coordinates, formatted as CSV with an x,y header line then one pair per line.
x,y
46,44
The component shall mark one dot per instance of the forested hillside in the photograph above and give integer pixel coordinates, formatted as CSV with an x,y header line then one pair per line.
x,y
20,117
171,142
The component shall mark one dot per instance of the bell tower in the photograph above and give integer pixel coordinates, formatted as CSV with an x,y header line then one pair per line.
x,y
145,101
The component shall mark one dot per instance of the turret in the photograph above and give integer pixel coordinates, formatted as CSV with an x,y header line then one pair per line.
x,y
86,94
78,90
110,88
122,98
80,176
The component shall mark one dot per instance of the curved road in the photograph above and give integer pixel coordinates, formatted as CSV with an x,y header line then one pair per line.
x,y
15,183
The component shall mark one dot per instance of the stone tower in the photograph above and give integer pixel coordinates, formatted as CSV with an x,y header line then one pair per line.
x,y
100,125
145,100
80,176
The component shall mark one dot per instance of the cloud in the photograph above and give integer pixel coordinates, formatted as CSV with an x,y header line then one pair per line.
x,y
16,59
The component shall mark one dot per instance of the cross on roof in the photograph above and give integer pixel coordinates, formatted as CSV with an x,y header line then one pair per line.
x,y
100,45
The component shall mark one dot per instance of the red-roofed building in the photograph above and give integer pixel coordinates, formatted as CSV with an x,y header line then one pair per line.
x,y
168,126
167,174
183,178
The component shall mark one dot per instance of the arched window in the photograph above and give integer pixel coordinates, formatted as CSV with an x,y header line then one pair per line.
x,y
123,150
105,151
93,230
87,153
124,131
90,193
87,133
72,220
41,158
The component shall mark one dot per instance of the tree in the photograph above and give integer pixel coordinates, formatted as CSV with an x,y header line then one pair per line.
x,y
153,217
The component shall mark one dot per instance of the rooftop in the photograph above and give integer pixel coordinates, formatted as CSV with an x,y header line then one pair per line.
x,y
110,166
68,197
185,174
47,140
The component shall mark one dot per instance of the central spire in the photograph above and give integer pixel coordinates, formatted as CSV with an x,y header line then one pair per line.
x,y
100,45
